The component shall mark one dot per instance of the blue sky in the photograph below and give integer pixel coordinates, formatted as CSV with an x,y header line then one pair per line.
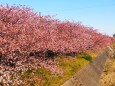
x,y
99,14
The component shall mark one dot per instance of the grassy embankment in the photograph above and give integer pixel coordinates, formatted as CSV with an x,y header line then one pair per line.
x,y
70,65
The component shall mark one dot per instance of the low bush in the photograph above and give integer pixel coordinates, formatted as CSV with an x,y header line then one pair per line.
x,y
87,57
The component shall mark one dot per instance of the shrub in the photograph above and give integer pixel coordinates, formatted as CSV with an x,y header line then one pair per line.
x,y
87,57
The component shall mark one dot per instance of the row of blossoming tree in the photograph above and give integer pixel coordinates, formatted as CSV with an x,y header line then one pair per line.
x,y
23,29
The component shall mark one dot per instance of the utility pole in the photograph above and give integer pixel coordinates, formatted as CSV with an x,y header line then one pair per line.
x,y
40,14
114,35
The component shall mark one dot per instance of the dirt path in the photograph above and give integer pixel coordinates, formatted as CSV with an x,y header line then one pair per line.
x,y
108,76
